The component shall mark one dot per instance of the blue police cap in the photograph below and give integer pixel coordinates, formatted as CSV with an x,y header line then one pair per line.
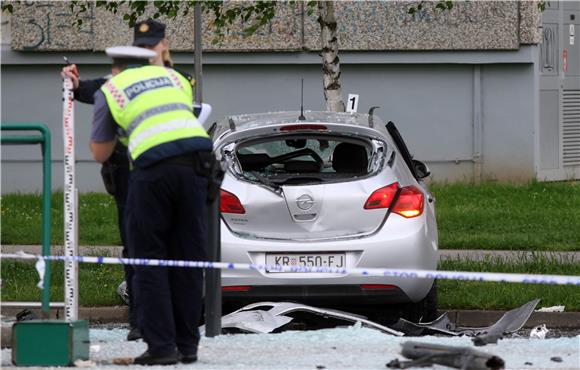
x,y
149,32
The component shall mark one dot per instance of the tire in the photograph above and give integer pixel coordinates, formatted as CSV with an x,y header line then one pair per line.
x,y
425,310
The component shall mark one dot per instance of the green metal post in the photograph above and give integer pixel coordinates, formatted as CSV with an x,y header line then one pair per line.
x,y
44,140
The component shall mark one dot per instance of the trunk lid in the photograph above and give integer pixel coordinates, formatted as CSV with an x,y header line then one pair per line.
x,y
304,187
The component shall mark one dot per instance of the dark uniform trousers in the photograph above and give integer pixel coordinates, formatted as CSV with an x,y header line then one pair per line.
x,y
116,177
121,174
166,219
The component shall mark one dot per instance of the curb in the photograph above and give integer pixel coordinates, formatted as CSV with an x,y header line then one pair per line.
x,y
468,318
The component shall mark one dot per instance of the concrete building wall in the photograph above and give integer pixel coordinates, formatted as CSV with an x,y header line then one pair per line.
x,y
509,113
461,85
454,109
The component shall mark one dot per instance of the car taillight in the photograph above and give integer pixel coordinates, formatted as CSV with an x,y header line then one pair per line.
x,y
236,288
410,202
301,127
383,197
230,203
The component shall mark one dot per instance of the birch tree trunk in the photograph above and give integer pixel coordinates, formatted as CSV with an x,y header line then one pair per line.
x,y
330,60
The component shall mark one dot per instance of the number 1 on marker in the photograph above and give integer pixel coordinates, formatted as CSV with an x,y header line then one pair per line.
x,y
352,103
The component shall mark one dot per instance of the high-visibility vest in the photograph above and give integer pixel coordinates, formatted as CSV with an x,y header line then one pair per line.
x,y
153,106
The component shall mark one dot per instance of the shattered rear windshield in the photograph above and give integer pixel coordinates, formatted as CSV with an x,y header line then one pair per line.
x,y
297,159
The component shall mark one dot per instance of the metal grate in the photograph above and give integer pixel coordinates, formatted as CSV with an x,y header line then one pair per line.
x,y
571,127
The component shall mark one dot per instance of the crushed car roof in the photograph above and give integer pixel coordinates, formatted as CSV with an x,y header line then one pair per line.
x,y
273,118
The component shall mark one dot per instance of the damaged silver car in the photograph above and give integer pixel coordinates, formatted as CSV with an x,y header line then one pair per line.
x,y
324,189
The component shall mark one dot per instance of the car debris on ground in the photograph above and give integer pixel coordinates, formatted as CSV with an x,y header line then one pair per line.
x,y
510,322
428,354
265,317
539,332
551,309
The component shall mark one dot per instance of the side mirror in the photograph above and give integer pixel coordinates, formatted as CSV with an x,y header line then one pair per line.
x,y
421,168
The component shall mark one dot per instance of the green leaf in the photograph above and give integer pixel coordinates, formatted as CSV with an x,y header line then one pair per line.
x,y
541,5
9,8
230,14
250,30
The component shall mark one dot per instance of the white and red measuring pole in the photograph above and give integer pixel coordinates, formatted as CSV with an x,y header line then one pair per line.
x,y
71,275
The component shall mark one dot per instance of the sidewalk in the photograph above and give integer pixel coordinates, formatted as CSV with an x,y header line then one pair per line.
x,y
461,254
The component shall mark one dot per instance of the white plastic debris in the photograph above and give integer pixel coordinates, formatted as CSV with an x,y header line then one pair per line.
x,y
551,309
539,332
40,268
85,363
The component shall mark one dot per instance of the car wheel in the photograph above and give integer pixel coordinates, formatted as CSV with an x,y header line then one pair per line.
x,y
425,310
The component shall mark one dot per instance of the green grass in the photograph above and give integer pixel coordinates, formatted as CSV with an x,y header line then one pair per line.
x,y
536,216
22,215
98,284
491,295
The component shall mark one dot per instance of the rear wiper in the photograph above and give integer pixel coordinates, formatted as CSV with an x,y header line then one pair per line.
x,y
270,185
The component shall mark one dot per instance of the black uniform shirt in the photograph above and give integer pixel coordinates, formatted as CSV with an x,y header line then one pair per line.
x,y
87,89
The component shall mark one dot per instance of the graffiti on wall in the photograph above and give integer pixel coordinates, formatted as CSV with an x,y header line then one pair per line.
x,y
368,25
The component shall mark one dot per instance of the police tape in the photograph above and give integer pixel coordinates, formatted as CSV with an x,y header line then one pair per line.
x,y
384,272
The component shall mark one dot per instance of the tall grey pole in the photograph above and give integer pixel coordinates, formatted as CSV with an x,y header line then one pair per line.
x,y
213,292
197,36
213,289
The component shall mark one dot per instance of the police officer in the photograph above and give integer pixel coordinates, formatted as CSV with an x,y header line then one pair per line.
x,y
148,34
166,205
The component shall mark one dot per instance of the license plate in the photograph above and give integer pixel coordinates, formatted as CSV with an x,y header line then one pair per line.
x,y
333,260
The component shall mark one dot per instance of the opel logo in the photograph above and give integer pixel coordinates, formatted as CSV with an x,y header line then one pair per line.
x,y
305,202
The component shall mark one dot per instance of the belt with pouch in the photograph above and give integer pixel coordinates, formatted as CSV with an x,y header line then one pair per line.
x,y
202,161
190,160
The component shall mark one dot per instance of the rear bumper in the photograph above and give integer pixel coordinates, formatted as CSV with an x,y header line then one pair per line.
x,y
317,294
412,245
